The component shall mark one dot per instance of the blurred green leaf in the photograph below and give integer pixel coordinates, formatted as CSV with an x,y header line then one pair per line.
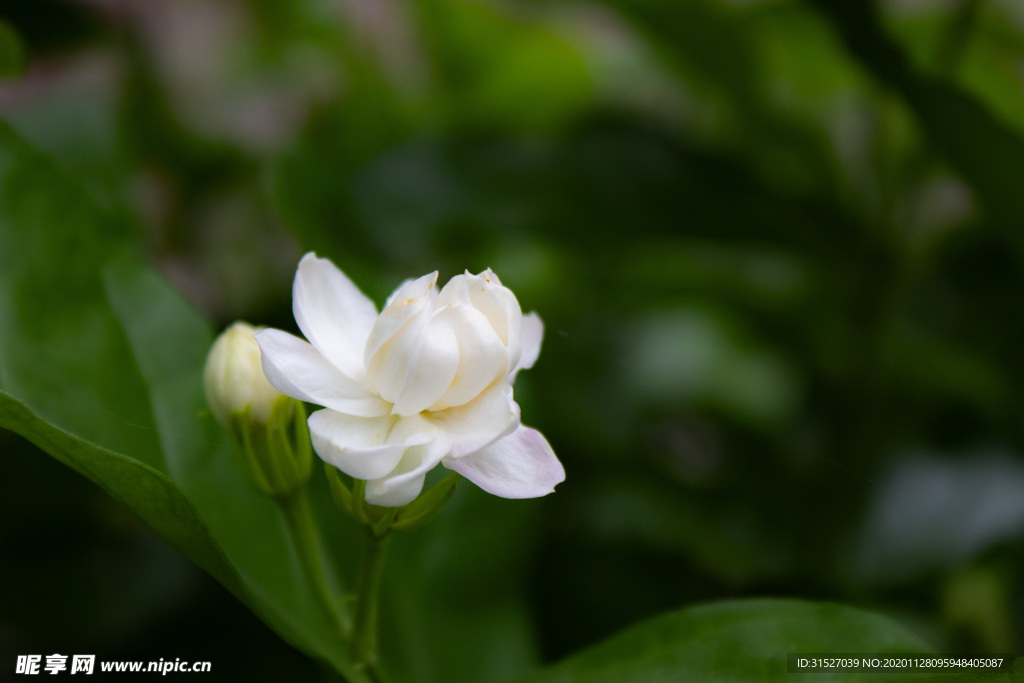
x,y
735,641
502,70
977,44
986,151
12,52
928,514
101,364
157,501
694,354
990,67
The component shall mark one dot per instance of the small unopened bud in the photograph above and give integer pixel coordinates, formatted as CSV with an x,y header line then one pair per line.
x,y
234,376
269,427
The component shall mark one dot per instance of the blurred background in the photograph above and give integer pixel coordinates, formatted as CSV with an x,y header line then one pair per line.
x,y
777,246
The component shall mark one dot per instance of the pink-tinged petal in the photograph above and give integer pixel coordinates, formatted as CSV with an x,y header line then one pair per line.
x,y
405,482
366,448
297,369
396,336
521,465
482,358
490,416
533,334
333,314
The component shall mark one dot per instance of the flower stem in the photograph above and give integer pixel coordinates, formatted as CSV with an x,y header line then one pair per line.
x,y
299,517
364,635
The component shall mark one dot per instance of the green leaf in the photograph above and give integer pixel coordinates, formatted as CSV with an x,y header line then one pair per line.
x,y
12,52
169,343
101,366
149,493
498,70
739,641
985,150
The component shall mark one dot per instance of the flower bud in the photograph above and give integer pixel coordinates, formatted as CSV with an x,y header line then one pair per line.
x,y
269,427
234,376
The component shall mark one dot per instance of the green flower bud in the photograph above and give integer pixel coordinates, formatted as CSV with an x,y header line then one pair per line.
x,y
269,427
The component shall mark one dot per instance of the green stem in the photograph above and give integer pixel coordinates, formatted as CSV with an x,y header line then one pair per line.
x,y
299,516
364,635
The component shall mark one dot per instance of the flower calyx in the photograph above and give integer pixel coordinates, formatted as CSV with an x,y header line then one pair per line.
x,y
277,455
380,519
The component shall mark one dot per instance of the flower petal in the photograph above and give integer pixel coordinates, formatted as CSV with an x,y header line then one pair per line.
x,y
482,357
405,482
431,369
533,333
481,422
521,465
396,335
366,448
297,369
333,314
497,303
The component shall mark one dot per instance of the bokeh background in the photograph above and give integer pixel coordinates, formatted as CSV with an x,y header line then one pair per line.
x,y
777,246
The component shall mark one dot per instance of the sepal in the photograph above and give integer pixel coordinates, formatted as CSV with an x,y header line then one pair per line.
x,y
340,493
428,505
277,455
380,520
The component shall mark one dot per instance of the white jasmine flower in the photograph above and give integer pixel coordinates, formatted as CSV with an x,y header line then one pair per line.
x,y
427,381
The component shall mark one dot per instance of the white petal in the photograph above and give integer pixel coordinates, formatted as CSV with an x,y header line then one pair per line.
x,y
496,302
396,336
406,302
522,465
295,368
533,333
409,286
456,291
332,313
482,357
366,448
481,422
431,369
405,482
